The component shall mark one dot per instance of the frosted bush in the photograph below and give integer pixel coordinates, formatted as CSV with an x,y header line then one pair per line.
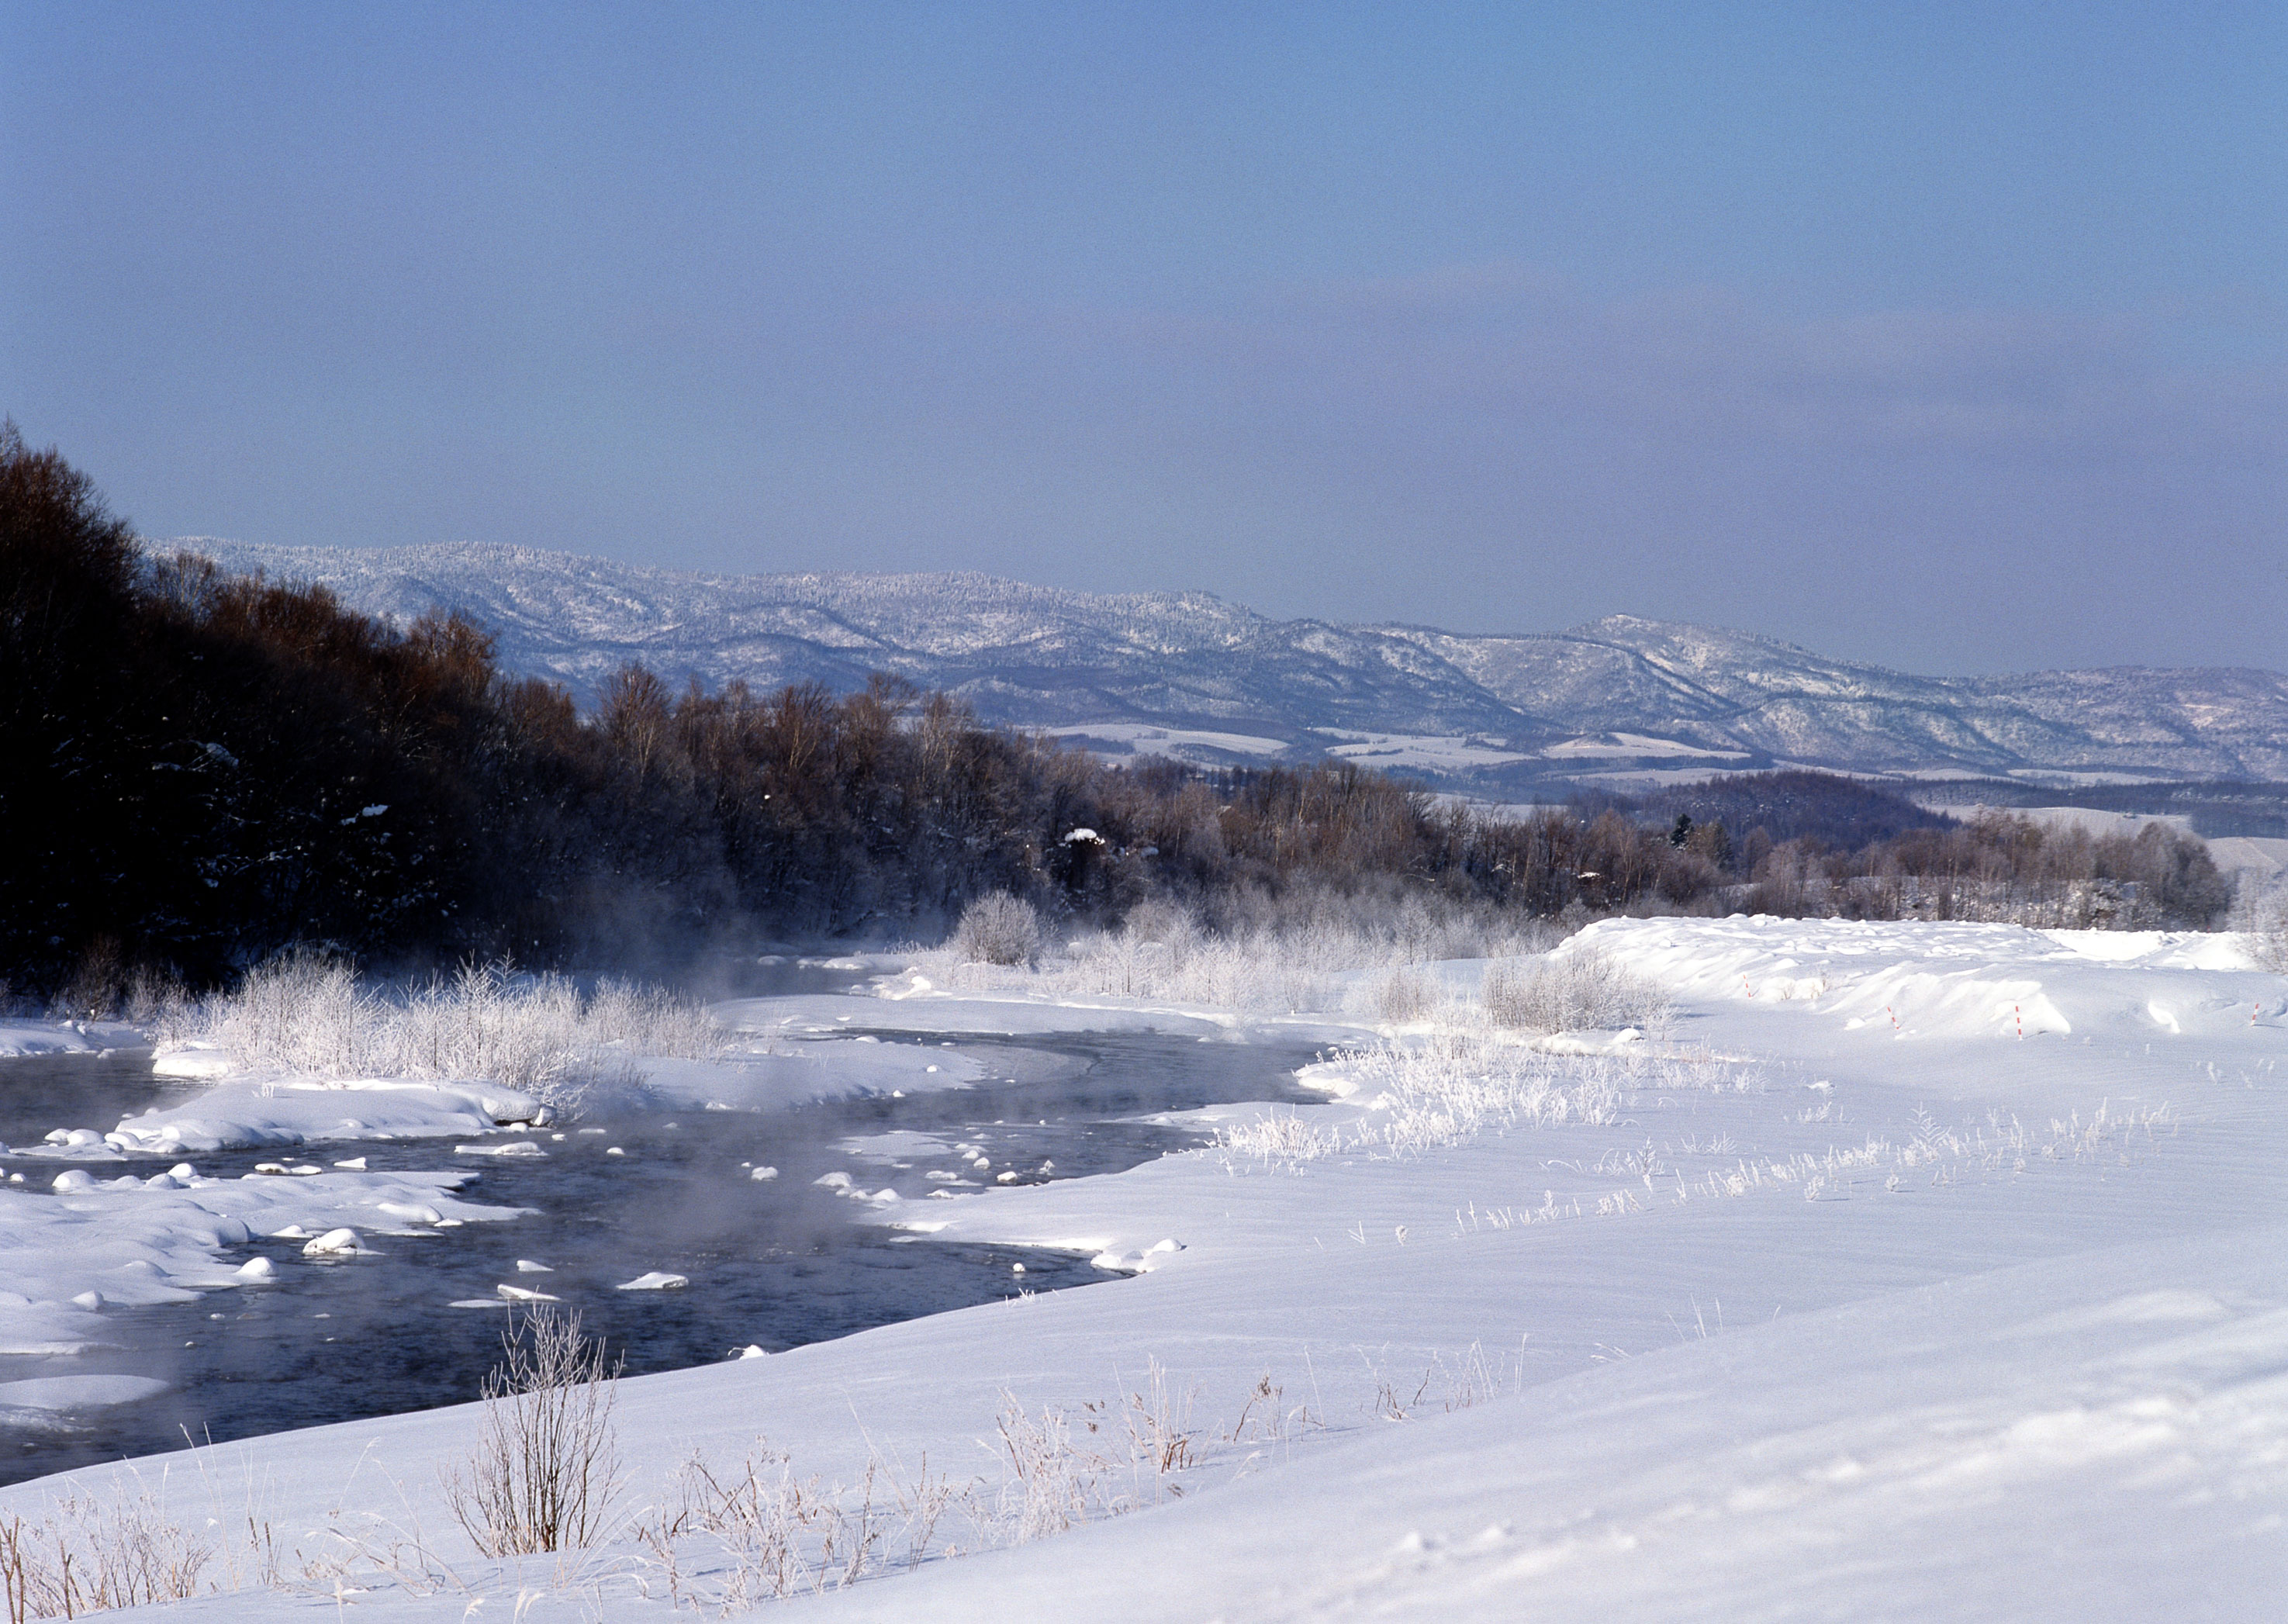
x,y
1581,991
1402,997
1292,962
310,1016
998,929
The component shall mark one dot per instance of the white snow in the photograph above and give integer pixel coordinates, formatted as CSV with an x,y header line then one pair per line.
x,y
1609,746
1147,739
31,1037
1833,1297
1422,752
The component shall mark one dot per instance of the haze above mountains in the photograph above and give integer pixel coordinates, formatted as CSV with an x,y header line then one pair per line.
x,y
1189,674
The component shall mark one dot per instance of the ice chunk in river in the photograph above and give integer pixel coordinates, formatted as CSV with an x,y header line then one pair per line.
x,y
333,1243
655,1280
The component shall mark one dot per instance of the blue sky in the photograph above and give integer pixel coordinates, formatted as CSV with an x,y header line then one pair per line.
x,y
1950,337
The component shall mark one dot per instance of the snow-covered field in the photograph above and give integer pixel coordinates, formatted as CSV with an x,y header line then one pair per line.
x,y
1903,1271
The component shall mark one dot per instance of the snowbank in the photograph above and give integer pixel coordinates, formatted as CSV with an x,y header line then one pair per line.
x,y
297,1110
23,1037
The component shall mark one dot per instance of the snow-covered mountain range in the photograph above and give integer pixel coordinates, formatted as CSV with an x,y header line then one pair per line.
x,y
1189,674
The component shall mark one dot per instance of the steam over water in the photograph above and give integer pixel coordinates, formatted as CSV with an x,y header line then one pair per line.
x,y
779,1263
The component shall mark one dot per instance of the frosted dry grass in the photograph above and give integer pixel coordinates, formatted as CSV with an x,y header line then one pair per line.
x,y
1450,1087
732,1538
1163,952
312,1016
94,1556
93,1551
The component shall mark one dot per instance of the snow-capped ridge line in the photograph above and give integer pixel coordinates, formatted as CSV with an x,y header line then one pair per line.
x,y
1044,656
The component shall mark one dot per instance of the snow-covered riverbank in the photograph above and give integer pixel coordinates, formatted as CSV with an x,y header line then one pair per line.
x,y
1835,1298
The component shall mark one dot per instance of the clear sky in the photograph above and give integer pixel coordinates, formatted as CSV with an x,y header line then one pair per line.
x,y
1954,337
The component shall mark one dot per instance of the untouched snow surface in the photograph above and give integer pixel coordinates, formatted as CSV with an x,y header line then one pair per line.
x,y
72,1037
1833,1297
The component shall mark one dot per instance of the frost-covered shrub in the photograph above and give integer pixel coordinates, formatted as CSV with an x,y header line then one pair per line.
x,y
546,1462
998,929
2265,922
1402,997
1578,992
1280,958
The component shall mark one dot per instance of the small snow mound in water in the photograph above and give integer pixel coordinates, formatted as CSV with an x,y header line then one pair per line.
x,y
1007,1178
333,1243
355,1164
613,1150
292,1231
519,1294
824,1181
762,1173
72,1181
1117,1263
410,1213
655,1280
258,1269
514,1148
525,1266
750,1352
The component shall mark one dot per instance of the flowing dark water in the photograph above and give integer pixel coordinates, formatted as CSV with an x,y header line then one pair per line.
x,y
775,1263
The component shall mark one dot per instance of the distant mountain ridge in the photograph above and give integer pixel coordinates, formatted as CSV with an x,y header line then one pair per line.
x,y
1620,696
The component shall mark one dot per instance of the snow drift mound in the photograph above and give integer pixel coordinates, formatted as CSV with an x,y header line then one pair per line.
x,y
1945,980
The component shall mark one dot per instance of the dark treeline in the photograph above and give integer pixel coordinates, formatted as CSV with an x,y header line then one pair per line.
x,y
197,770
1814,843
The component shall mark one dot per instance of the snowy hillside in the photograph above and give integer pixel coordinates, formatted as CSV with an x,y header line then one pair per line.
x,y
1618,694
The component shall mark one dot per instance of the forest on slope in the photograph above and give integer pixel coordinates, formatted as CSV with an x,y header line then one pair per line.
x,y
202,770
